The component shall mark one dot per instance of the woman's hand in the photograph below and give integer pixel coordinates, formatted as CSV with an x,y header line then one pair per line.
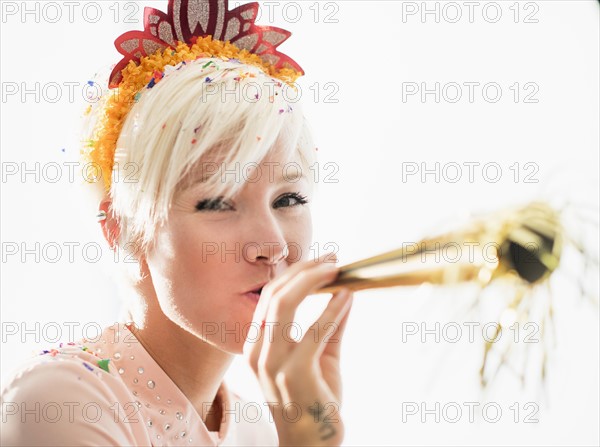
x,y
301,379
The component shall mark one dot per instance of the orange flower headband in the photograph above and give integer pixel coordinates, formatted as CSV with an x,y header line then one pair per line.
x,y
190,30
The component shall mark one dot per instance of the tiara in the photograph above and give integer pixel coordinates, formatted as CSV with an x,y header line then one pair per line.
x,y
191,30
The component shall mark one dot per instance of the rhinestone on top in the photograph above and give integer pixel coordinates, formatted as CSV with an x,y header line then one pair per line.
x,y
140,370
179,416
151,384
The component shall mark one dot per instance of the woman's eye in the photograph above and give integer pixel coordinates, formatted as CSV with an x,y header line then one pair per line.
x,y
211,205
285,200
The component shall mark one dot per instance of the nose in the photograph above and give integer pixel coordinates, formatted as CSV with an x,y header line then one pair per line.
x,y
272,256
267,243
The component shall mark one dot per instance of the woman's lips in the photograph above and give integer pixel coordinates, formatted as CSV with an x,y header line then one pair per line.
x,y
254,296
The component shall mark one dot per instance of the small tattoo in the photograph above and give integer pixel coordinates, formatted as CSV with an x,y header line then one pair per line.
x,y
326,429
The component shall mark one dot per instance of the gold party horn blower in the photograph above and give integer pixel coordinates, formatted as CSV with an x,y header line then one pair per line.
x,y
525,242
522,245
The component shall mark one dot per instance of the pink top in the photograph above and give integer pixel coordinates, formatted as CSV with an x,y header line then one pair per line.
x,y
112,392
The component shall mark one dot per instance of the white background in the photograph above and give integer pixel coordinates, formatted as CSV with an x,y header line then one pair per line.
x,y
368,133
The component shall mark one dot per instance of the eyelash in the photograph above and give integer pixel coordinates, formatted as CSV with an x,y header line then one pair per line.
x,y
213,204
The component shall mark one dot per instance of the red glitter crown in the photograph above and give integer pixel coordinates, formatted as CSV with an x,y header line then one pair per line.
x,y
187,20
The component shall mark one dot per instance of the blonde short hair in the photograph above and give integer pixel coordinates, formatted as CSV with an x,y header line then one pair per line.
x,y
227,112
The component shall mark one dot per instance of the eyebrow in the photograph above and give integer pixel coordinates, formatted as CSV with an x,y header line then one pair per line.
x,y
292,178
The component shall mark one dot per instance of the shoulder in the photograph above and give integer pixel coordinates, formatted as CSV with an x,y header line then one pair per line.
x,y
63,398
58,376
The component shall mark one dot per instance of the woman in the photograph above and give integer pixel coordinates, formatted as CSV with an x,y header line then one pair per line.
x,y
209,194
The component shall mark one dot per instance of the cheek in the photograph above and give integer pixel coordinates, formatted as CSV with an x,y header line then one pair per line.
x,y
299,237
197,259
184,271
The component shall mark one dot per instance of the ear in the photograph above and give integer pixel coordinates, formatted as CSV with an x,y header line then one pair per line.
x,y
109,223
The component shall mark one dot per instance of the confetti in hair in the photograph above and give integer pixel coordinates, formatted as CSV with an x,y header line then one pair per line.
x,y
136,76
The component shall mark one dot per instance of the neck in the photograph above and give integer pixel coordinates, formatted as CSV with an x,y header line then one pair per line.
x,y
195,366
